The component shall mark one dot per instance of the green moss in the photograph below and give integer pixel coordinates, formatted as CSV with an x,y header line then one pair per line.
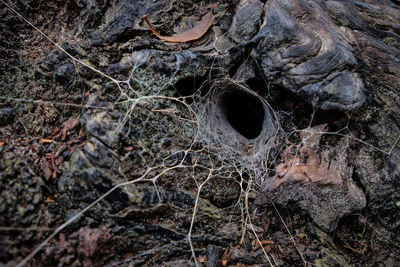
x,y
33,123
209,210
21,210
344,23
328,252
51,113
136,197
392,42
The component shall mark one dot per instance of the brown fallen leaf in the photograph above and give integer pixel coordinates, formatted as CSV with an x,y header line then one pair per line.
x,y
62,239
45,140
45,167
265,222
267,248
267,242
59,160
49,199
309,163
54,165
96,246
69,125
186,36
202,258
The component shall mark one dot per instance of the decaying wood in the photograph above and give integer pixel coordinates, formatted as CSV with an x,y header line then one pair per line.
x,y
309,164
318,178
341,56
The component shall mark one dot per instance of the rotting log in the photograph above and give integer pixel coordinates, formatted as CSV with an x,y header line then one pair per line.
x,y
324,74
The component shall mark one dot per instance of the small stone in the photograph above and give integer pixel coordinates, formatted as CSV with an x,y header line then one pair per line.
x,y
6,116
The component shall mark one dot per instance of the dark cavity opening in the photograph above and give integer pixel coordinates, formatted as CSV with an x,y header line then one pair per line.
x,y
186,88
244,112
303,113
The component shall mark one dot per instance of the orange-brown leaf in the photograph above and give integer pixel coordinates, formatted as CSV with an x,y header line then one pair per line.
x,y
49,199
186,36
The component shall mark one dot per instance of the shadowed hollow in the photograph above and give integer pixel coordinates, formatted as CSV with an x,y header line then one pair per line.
x,y
244,112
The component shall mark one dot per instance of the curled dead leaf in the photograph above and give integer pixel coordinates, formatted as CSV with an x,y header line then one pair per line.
x,y
186,36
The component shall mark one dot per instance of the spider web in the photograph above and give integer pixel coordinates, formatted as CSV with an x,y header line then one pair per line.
x,y
202,155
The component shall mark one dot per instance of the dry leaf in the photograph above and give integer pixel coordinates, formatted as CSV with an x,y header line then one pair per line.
x,y
49,199
62,239
186,36
45,167
265,222
95,246
202,258
308,163
69,125
267,242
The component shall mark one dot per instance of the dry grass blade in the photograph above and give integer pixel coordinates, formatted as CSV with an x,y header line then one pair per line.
x,y
186,36
291,236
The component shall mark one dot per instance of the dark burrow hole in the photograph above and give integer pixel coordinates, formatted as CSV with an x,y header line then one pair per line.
x,y
186,88
302,111
244,112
